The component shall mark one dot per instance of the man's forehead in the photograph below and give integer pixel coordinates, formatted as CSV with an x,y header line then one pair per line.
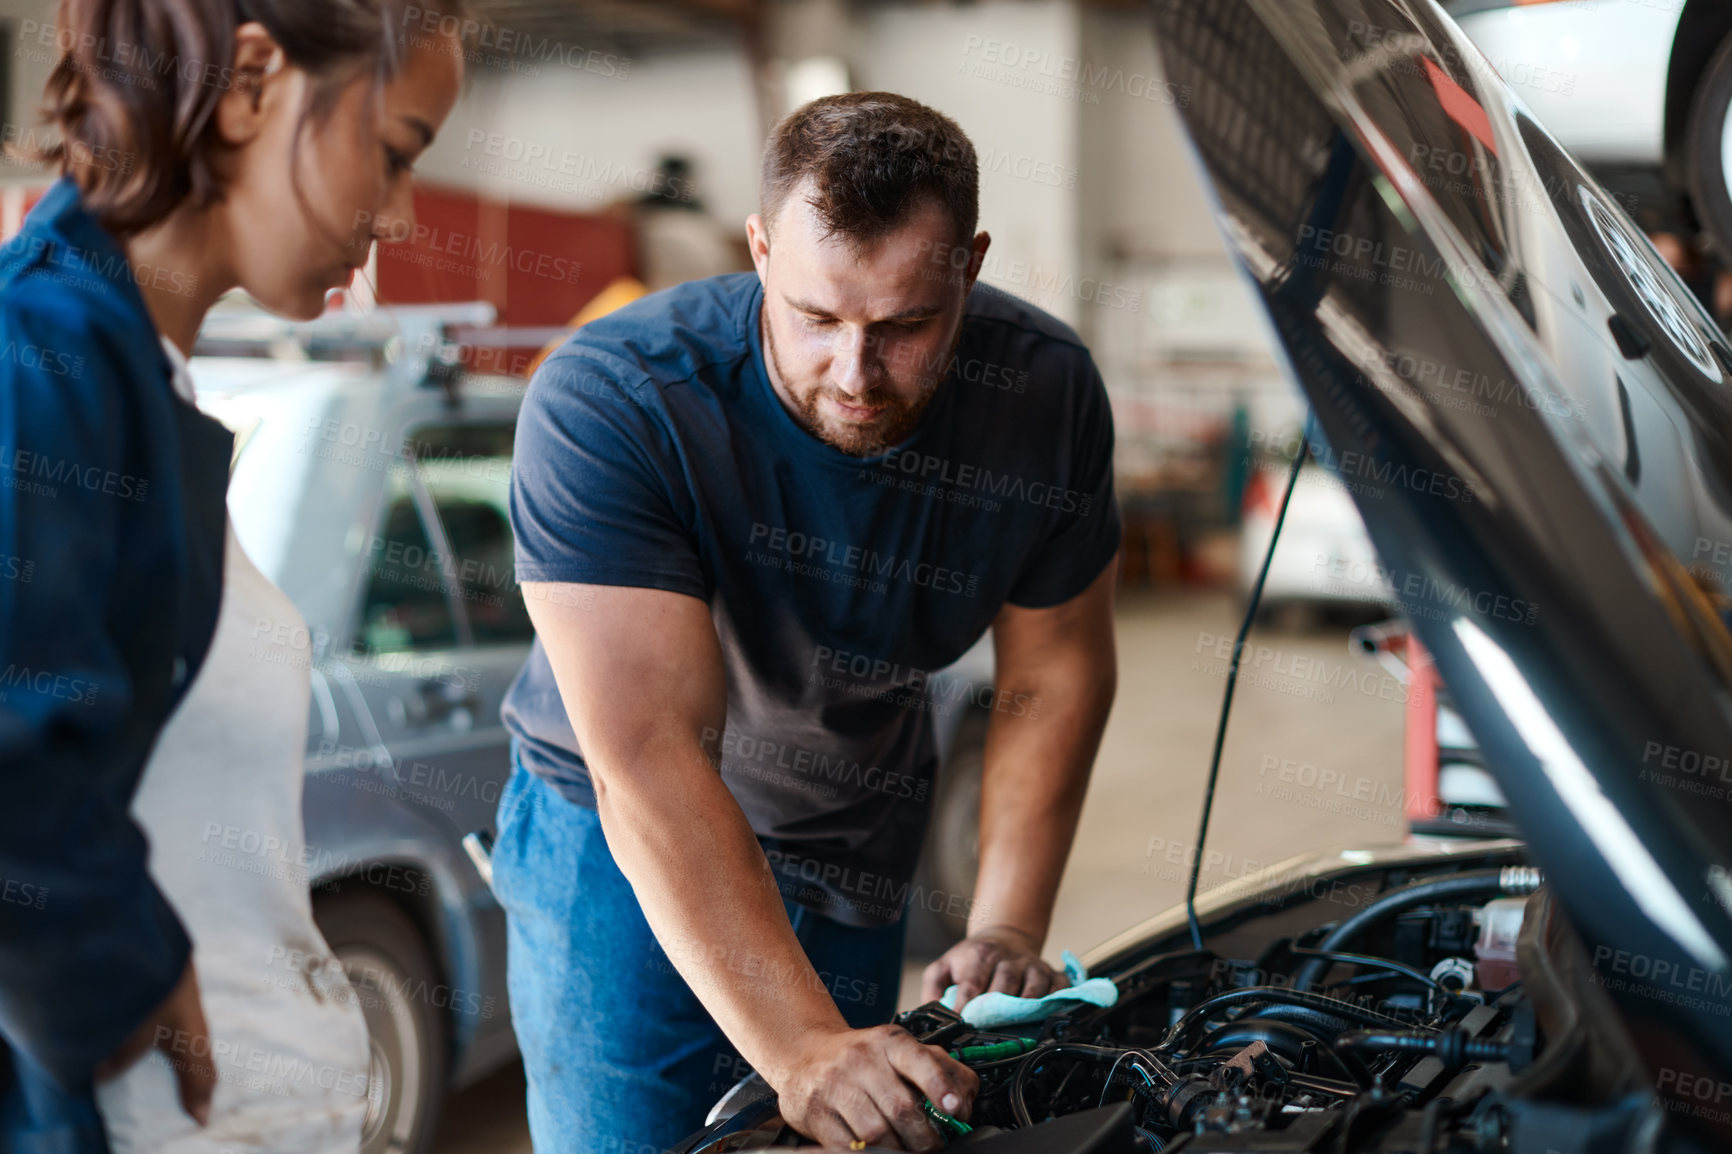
x,y
905,272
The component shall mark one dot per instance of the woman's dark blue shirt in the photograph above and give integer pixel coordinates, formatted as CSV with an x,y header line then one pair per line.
x,y
112,495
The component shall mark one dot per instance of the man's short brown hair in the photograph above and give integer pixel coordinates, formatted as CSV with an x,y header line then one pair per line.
x,y
873,158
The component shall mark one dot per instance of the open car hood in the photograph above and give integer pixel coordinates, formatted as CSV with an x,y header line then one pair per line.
x,y
1532,414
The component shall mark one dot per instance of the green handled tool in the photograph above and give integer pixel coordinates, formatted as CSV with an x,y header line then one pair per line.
x,y
946,1126
995,1050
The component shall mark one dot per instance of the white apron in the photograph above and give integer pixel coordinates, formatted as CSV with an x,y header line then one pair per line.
x,y
220,802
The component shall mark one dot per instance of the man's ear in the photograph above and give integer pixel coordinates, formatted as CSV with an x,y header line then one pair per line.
x,y
255,85
982,242
758,241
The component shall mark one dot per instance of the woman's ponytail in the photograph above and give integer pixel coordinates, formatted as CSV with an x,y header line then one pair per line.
x,y
133,93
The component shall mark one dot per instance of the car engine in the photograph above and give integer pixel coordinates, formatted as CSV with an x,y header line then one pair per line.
x,y
1409,1027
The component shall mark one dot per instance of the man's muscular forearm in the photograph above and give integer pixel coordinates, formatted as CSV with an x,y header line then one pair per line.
x,y
709,895
1061,662
1036,774
697,871
1064,660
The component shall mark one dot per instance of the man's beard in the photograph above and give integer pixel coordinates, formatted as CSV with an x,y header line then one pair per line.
x,y
898,419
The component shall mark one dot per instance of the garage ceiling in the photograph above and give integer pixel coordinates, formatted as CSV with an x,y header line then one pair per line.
x,y
628,27
636,27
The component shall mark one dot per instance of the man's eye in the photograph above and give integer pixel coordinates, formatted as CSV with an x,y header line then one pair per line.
x,y
397,162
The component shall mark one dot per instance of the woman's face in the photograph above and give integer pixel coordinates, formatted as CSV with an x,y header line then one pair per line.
x,y
301,215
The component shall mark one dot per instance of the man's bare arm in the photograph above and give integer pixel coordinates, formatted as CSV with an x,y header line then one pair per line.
x,y
642,678
1057,672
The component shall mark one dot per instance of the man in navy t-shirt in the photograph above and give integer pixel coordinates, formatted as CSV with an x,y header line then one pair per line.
x,y
753,515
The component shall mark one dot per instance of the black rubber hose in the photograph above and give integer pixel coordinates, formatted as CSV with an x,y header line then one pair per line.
x,y
1018,1098
1417,894
1317,1022
1451,1047
1347,1012
1019,1103
1283,1037
1389,964
1324,1027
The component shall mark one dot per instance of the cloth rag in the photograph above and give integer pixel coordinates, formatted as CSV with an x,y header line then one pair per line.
x,y
990,1010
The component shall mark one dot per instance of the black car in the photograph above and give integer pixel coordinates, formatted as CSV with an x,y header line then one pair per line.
x,y
1533,416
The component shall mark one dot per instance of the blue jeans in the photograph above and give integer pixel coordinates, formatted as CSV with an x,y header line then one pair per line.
x,y
620,1056
37,1116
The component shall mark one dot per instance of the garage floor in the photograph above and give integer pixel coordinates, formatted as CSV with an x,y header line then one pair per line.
x,y
1313,758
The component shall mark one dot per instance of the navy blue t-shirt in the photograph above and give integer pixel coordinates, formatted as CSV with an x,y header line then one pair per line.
x,y
652,451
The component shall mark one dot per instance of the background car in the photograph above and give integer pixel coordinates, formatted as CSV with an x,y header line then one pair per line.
x,y
1325,561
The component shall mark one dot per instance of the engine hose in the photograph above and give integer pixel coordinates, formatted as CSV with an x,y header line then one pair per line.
x,y
1327,1026
1104,1054
1512,880
1279,996
1452,1047
1394,967
1284,1038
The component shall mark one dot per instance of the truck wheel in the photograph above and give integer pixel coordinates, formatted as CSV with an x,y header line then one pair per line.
x,y
1708,149
394,979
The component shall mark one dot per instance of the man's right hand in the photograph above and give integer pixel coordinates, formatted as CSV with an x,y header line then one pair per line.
x,y
177,1028
866,1085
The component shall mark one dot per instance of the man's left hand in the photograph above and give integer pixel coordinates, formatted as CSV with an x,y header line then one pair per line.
x,y
998,959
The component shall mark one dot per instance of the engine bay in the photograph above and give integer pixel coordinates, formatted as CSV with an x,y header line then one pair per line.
x,y
1407,1027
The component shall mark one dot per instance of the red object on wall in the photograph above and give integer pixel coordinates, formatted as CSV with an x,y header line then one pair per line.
x,y
537,266
564,260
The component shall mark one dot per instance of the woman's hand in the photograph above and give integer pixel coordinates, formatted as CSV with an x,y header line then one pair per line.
x,y
178,1029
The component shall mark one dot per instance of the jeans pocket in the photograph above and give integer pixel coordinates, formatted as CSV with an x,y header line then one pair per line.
x,y
514,803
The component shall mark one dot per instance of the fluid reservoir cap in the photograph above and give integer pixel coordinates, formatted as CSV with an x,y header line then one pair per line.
x,y
1453,974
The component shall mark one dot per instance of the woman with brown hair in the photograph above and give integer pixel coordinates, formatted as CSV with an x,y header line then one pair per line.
x,y
205,145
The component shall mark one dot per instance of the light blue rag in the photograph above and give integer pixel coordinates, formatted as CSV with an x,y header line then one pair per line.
x,y
987,1011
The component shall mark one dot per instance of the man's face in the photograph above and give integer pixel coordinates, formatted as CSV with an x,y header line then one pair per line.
x,y
858,340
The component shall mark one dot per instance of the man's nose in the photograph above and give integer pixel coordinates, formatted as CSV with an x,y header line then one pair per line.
x,y
853,362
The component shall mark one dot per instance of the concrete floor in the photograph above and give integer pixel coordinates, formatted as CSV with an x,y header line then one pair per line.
x,y
1313,758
